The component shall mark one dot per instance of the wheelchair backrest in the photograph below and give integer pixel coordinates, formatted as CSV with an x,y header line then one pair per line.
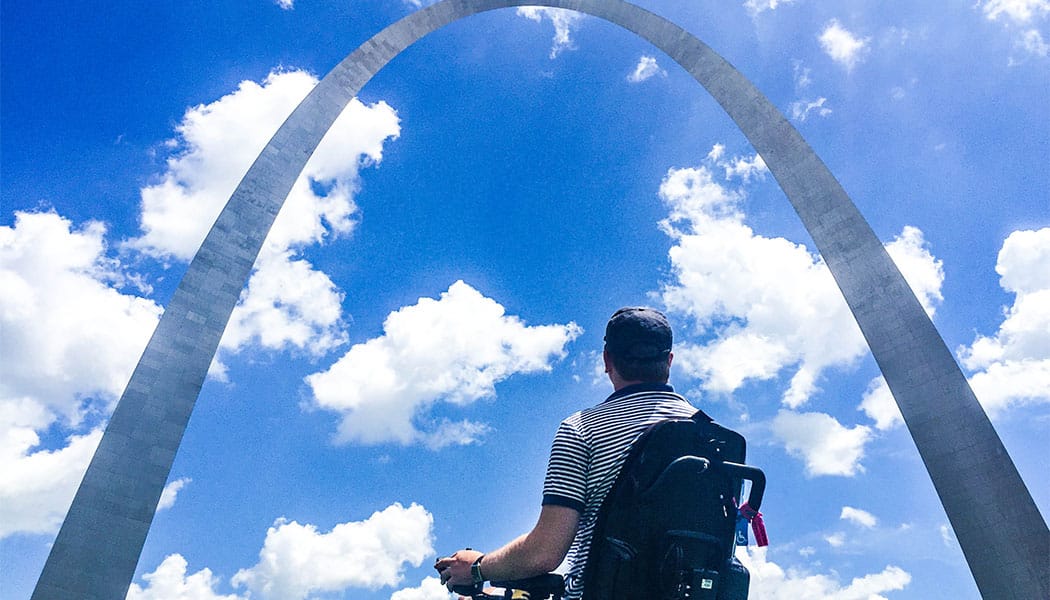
x,y
667,527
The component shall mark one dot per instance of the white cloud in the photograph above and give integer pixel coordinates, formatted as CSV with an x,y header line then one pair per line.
x,y
214,146
744,168
756,6
717,152
836,540
738,167
725,365
770,302
297,561
564,22
171,492
770,581
923,272
645,69
286,4
826,446
454,349
858,516
801,109
802,75
948,536
878,403
70,337
1032,42
37,487
287,302
841,45
1020,11
70,341
170,582
1001,385
1021,265
1013,366
590,367
429,589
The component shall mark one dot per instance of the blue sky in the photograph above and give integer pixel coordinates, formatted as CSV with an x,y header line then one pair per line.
x,y
431,301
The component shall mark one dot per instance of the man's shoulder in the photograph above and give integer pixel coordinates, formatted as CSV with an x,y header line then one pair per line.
x,y
672,403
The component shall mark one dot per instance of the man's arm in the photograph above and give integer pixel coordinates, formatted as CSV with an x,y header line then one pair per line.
x,y
535,553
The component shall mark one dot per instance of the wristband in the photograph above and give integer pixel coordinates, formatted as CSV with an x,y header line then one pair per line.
x,y
475,571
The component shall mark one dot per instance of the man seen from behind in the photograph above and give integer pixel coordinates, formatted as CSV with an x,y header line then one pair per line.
x,y
586,456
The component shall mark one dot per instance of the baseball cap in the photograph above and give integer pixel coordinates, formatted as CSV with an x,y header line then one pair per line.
x,y
638,332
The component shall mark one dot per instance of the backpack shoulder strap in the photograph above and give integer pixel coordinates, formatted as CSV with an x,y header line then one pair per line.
x,y
734,446
701,417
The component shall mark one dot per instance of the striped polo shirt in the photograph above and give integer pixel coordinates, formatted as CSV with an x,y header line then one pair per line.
x,y
588,451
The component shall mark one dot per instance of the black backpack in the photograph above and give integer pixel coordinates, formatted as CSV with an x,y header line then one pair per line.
x,y
667,528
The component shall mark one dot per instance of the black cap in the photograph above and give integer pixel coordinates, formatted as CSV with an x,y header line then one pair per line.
x,y
639,333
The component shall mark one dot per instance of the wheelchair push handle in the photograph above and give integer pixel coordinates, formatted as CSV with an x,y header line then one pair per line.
x,y
752,474
698,465
695,464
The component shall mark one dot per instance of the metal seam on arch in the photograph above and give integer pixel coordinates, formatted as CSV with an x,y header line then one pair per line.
x,y
98,546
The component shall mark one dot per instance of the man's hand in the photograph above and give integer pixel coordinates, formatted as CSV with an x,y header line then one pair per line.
x,y
455,569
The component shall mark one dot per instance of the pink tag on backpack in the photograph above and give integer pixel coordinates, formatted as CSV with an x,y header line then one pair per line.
x,y
757,525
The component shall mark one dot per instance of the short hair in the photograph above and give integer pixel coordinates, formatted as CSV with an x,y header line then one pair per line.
x,y
649,371
638,340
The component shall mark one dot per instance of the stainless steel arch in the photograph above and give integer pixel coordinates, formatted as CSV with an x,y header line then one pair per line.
x,y
98,546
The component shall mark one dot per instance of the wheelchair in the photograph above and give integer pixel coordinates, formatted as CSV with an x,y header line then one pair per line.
x,y
669,527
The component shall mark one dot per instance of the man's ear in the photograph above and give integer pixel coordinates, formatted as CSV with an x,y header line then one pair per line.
x,y
670,358
606,359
